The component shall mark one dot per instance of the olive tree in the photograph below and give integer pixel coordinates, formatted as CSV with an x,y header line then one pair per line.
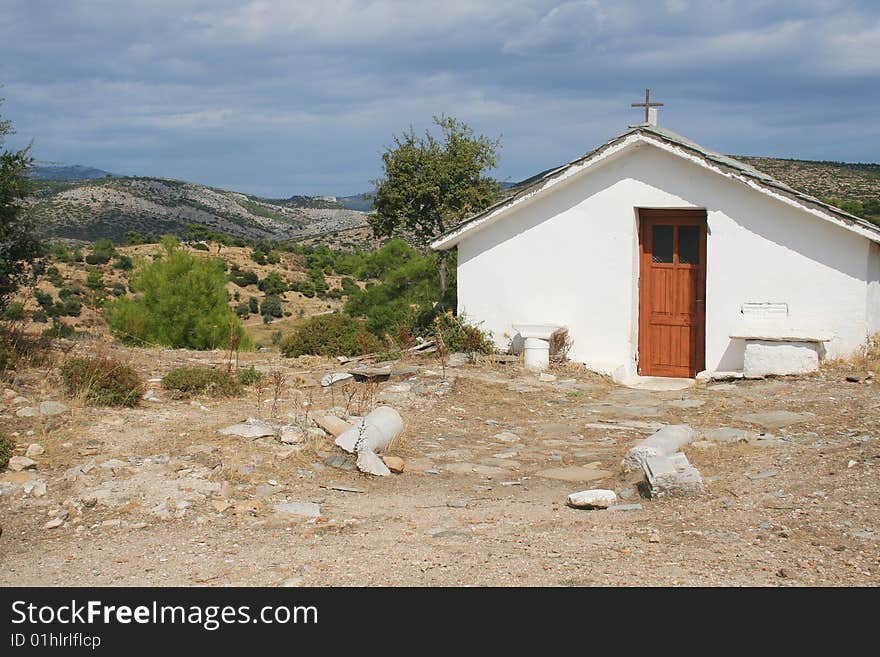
x,y
431,183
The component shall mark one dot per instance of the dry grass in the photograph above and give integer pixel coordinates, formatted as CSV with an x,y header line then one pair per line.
x,y
866,359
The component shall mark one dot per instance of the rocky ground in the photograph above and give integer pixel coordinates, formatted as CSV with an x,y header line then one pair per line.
x,y
156,496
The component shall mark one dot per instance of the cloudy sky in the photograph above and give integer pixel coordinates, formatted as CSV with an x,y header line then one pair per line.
x,y
279,97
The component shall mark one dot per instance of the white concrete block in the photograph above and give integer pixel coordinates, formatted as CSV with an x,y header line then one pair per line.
x,y
763,357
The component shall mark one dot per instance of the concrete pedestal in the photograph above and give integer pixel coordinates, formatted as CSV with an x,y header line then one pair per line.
x,y
765,357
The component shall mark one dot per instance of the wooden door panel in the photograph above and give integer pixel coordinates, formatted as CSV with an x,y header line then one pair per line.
x,y
672,283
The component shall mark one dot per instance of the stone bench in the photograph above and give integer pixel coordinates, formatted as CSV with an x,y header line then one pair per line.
x,y
780,350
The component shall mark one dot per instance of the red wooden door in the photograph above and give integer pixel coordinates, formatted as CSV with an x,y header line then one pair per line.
x,y
672,292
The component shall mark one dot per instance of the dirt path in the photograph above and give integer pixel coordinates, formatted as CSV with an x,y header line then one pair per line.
x,y
482,500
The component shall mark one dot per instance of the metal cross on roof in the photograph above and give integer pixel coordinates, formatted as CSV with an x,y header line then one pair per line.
x,y
647,104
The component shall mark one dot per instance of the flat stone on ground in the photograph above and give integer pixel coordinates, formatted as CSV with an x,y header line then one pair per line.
x,y
574,473
774,419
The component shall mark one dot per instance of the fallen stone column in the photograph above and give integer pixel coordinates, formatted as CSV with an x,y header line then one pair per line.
x,y
371,435
665,442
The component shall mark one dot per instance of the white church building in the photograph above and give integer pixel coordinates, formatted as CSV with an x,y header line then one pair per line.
x,y
663,258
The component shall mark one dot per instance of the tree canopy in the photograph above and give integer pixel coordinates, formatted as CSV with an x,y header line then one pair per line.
x,y
19,244
430,183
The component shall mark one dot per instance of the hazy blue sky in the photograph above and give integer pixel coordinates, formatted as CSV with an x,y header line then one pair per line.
x,y
276,98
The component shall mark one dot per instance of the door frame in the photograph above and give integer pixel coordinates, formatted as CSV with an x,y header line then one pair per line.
x,y
648,217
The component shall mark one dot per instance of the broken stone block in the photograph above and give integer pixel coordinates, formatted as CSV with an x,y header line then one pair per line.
x,y
672,476
664,442
370,463
336,377
19,463
332,425
596,498
27,411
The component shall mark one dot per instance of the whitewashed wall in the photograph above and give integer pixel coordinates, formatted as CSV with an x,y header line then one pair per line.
x,y
571,257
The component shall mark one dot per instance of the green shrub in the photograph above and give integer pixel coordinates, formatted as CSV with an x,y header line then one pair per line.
x,y
458,335
123,262
180,301
133,237
118,289
95,280
102,381
277,335
39,316
249,376
7,448
254,305
14,311
72,306
217,383
243,310
97,258
330,335
200,246
406,294
271,307
243,277
273,284
54,276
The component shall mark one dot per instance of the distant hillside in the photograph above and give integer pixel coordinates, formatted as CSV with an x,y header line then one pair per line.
x,y
859,182
79,202
109,207
57,171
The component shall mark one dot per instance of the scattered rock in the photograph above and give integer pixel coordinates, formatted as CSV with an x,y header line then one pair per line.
x,y
394,463
250,428
340,462
34,449
150,395
507,437
306,509
336,377
625,507
292,582
54,523
52,408
596,498
457,504
34,487
291,435
27,411
762,475
19,463
546,378
371,373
